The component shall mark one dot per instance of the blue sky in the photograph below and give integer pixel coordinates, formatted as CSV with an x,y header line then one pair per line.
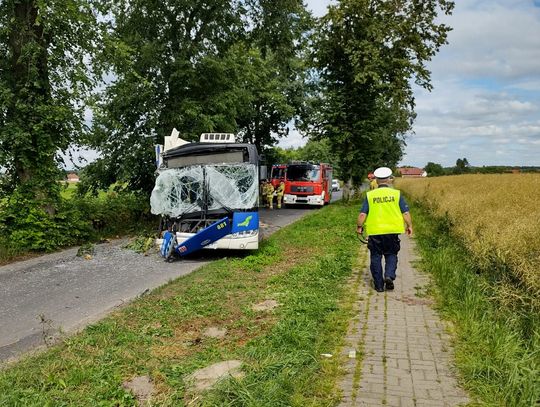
x,y
485,105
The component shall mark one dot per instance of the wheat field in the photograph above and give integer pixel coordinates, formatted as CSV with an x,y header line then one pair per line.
x,y
497,216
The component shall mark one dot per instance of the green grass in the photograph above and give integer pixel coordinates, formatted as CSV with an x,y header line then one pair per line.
x,y
305,267
497,345
69,189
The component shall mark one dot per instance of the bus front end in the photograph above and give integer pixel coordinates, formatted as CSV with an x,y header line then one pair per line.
x,y
207,195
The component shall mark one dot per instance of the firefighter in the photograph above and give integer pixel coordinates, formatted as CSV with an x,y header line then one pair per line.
x,y
384,213
280,190
268,192
372,181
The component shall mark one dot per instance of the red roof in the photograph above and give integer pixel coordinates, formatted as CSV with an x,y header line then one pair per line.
x,y
411,171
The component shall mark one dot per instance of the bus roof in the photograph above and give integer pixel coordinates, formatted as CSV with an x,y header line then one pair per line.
x,y
193,149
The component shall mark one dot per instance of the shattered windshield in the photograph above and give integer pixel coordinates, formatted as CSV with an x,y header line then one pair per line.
x,y
180,191
303,173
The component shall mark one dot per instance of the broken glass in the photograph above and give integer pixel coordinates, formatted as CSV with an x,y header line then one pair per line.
x,y
180,191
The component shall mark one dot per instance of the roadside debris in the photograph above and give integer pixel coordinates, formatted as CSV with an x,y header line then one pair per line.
x,y
87,250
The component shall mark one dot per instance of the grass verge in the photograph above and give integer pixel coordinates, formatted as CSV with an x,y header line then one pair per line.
x,y
305,267
497,347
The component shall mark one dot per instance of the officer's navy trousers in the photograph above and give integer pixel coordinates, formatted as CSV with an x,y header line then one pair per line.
x,y
386,246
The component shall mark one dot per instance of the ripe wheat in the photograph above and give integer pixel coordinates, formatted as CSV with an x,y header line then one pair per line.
x,y
496,216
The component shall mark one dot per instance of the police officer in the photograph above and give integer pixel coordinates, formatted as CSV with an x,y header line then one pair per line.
x,y
383,215
280,190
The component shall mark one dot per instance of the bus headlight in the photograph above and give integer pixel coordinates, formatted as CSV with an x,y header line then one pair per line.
x,y
244,234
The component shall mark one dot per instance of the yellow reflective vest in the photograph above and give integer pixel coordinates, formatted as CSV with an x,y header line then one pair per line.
x,y
384,215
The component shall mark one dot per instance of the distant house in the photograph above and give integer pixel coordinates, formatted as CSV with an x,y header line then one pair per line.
x,y
412,172
72,177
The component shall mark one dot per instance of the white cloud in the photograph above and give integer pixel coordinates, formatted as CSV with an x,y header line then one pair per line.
x,y
478,110
494,39
527,85
294,139
484,104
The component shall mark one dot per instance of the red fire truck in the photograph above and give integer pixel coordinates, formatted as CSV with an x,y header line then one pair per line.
x,y
308,184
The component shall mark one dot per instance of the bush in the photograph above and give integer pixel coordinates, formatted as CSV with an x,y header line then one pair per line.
x,y
25,226
116,213
29,228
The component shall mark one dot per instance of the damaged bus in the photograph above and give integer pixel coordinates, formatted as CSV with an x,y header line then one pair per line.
x,y
207,194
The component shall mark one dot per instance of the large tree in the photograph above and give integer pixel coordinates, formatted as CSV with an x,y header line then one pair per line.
x,y
280,31
213,65
171,65
367,53
45,47
462,166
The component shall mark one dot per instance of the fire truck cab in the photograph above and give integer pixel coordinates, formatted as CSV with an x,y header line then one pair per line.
x,y
277,174
308,184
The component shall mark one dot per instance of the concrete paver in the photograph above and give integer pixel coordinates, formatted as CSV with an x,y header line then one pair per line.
x,y
403,351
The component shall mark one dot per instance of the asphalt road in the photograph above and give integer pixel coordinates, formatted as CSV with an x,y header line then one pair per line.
x,y
49,296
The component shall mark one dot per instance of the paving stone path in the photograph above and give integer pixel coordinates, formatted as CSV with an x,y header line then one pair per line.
x,y
403,355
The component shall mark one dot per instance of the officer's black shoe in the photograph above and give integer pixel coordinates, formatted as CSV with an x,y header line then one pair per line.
x,y
389,283
379,289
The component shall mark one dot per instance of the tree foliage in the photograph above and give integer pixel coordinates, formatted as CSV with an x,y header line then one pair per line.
x,y
45,47
367,52
319,151
462,166
279,32
434,169
214,65
279,155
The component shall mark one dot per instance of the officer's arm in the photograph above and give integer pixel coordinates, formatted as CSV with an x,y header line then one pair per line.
x,y
408,221
362,216
360,222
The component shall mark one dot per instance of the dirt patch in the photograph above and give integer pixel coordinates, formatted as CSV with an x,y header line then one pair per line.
x,y
266,305
170,351
214,332
141,387
19,257
291,256
415,300
205,378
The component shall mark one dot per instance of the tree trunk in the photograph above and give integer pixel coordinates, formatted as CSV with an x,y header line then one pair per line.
x,y
347,190
31,136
